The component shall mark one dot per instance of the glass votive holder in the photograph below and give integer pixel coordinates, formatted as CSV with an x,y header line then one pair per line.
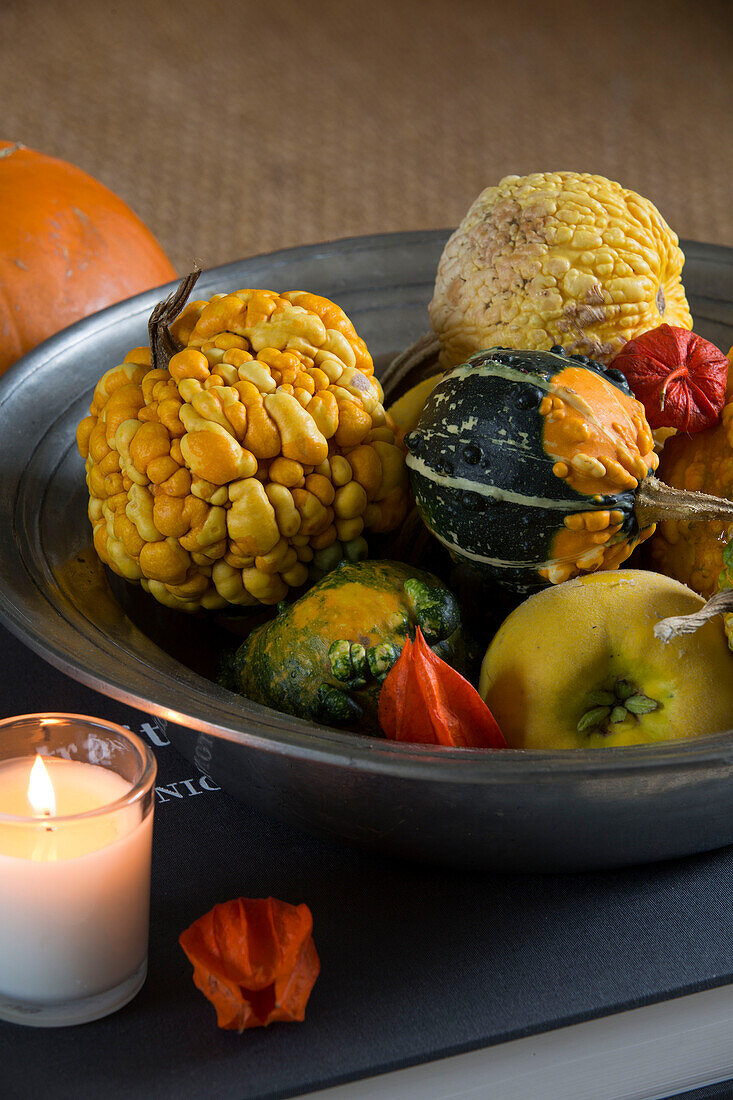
x,y
75,847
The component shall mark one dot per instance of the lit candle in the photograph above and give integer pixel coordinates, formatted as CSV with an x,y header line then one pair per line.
x,y
75,845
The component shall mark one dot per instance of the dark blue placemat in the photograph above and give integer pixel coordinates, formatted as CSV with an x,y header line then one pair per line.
x,y
417,962
722,1091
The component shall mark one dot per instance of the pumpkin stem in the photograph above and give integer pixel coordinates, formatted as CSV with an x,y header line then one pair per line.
x,y
14,148
411,366
162,345
656,501
719,604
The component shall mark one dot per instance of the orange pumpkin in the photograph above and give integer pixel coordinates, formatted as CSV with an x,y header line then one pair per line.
x,y
68,247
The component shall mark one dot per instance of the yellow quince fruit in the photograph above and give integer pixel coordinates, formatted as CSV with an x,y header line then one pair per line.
x,y
579,666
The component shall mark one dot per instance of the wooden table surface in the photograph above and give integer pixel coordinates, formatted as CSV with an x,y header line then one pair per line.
x,y
237,128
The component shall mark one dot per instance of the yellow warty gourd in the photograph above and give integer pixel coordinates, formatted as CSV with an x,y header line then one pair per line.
x,y
557,258
260,446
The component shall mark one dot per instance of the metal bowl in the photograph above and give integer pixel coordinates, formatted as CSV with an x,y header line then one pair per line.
x,y
504,810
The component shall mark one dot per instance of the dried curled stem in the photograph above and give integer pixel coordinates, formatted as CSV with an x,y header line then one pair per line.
x,y
418,361
719,604
162,344
656,501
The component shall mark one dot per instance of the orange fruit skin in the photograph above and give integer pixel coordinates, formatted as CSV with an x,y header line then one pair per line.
x,y
68,247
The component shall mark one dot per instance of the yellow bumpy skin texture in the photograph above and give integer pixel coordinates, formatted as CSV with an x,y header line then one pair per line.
x,y
557,258
216,480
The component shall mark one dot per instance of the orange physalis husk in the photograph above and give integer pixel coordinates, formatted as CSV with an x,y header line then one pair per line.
x,y
424,700
255,960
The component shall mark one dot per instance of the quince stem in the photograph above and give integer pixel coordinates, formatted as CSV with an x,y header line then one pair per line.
x,y
719,604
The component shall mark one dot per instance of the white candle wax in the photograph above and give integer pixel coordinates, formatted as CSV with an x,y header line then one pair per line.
x,y
74,892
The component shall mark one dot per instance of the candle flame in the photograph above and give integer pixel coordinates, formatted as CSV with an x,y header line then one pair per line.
x,y
40,790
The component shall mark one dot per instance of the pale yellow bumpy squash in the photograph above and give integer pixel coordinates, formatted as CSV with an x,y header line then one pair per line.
x,y
557,258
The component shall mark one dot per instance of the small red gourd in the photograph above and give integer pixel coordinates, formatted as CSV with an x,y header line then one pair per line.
x,y
679,377
68,247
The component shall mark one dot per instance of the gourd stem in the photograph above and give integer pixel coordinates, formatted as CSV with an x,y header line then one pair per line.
x,y
719,604
162,345
411,366
656,501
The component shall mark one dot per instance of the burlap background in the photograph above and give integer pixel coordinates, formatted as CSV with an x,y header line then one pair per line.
x,y
236,128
